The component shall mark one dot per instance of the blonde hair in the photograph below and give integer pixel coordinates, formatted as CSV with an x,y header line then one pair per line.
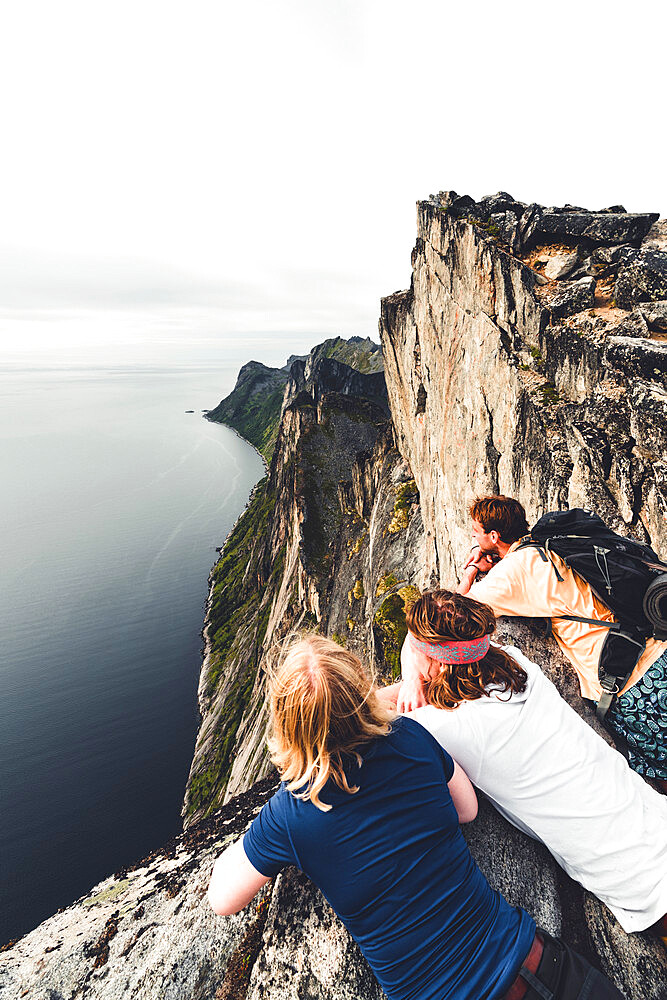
x,y
324,708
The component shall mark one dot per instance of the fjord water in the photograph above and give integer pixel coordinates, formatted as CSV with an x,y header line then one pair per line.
x,y
113,501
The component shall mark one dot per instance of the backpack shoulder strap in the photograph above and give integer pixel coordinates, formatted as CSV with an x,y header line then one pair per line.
x,y
613,675
529,543
614,626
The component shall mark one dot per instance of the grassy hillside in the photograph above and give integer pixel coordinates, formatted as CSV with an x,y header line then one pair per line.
x,y
357,352
253,407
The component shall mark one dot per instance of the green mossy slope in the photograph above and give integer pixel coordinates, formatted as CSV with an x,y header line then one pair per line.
x,y
253,407
239,607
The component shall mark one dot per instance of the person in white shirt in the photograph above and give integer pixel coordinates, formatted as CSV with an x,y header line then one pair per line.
x,y
539,763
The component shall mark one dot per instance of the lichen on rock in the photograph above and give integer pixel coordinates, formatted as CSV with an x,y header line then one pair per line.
x,y
390,628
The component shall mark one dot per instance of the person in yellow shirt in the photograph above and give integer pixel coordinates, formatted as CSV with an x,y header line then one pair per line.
x,y
519,582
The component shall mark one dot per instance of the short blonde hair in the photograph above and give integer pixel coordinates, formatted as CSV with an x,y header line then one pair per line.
x,y
324,708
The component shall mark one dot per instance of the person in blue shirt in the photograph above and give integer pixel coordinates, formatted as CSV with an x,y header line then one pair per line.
x,y
369,808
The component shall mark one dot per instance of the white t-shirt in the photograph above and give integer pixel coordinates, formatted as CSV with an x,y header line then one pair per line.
x,y
554,778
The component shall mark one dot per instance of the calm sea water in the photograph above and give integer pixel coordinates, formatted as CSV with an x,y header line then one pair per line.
x,y
113,501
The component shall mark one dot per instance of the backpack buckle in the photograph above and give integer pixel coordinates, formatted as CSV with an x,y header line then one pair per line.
x,y
610,689
609,684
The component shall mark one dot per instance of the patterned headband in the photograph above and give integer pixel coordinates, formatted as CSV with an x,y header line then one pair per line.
x,y
453,650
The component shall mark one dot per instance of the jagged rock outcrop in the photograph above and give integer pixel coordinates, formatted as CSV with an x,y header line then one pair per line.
x,y
319,374
360,353
497,381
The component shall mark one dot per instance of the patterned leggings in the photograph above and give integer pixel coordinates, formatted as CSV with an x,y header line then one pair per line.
x,y
639,717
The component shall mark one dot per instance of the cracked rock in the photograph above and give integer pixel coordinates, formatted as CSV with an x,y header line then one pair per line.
x,y
507,226
570,297
633,325
503,202
561,266
528,225
599,227
637,357
642,277
655,315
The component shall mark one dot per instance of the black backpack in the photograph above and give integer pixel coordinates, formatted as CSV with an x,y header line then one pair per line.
x,y
627,576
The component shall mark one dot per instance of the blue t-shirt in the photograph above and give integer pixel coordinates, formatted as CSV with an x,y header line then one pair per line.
x,y
393,864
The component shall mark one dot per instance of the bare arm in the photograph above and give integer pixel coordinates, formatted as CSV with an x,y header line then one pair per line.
x,y
415,669
389,693
463,795
234,881
477,563
467,579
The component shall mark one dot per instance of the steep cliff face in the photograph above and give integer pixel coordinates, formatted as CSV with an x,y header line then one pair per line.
x,y
320,374
528,358
331,539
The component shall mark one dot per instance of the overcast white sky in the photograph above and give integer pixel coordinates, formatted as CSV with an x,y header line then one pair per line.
x,y
195,173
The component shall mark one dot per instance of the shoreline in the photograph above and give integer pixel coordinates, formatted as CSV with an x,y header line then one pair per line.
x,y
239,435
204,631
206,624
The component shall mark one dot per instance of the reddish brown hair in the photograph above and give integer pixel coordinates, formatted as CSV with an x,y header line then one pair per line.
x,y
501,514
441,614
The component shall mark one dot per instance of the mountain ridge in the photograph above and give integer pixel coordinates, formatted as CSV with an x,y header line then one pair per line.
x,y
254,406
